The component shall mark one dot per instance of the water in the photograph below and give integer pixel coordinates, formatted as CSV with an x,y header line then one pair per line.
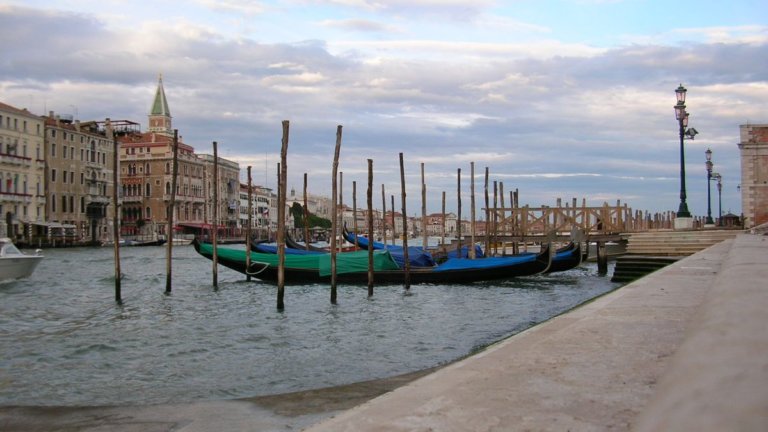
x,y
64,341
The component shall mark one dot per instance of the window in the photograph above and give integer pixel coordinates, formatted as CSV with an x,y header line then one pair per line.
x,y
148,191
63,176
53,203
72,177
167,188
53,150
72,204
63,204
82,178
82,154
53,133
72,153
148,213
82,204
53,175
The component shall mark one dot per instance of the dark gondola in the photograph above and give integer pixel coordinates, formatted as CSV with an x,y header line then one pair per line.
x,y
453,271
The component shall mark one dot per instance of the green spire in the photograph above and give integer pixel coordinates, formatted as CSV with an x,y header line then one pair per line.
x,y
160,105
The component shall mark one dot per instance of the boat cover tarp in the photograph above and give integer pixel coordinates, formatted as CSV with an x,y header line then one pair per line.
x,y
293,261
415,253
272,249
482,263
350,262
346,262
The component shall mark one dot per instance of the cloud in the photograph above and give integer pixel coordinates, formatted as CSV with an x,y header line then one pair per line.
x,y
360,25
549,117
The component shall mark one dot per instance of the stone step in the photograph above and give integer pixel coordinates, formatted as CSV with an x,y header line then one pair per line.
x,y
631,267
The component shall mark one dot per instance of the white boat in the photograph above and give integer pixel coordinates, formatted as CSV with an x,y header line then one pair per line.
x,y
13,263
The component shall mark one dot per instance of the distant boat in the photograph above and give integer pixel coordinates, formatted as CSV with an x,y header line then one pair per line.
x,y
13,263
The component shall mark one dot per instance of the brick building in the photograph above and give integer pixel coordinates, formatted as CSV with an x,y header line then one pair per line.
x,y
753,149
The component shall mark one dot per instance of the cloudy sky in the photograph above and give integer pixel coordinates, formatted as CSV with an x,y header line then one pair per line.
x,y
558,98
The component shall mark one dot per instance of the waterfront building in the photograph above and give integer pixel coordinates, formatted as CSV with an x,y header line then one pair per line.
x,y
22,171
146,179
264,210
753,149
79,173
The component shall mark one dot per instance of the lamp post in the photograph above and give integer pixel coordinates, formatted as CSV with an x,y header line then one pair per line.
x,y
719,179
709,166
682,119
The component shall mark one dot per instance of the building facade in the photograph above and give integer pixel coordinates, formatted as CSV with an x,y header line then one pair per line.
x,y
22,172
146,179
753,149
79,178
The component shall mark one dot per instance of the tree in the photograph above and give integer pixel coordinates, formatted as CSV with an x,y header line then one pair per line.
x,y
297,211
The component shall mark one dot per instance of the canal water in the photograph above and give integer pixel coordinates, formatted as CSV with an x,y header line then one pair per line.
x,y
64,341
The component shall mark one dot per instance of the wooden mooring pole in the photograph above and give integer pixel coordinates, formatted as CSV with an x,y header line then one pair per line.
x,y
281,189
169,211
354,212
306,216
248,233
423,210
458,221
370,227
487,245
471,250
334,215
405,227
116,206
215,222
383,215
602,258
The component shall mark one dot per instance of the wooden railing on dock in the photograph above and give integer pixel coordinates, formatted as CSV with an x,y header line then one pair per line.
x,y
525,223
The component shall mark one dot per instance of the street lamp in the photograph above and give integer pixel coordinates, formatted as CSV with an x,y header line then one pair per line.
x,y
682,119
709,166
719,179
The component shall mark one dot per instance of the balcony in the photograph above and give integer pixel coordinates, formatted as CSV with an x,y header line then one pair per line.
x,y
133,199
15,160
15,197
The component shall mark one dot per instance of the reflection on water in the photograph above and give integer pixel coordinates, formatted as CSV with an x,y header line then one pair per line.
x,y
63,340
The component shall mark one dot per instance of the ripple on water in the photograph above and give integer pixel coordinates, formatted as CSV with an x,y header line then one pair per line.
x,y
63,340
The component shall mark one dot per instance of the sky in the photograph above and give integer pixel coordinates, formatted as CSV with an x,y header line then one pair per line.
x,y
557,98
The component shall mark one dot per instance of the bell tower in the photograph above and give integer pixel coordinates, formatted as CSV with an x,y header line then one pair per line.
x,y
160,115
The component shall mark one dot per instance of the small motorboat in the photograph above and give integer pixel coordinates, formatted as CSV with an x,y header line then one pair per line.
x,y
13,263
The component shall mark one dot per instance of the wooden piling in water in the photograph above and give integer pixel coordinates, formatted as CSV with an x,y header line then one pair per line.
x,y
442,228
458,204
383,215
394,228
602,258
248,233
116,216
306,216
369,195
215,224
354,212
503,214
471,250
487,245
281,189
423,209
334,215
169,211
495,219
405,227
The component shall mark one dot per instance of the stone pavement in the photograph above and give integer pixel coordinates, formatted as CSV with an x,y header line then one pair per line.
x,y
685,348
